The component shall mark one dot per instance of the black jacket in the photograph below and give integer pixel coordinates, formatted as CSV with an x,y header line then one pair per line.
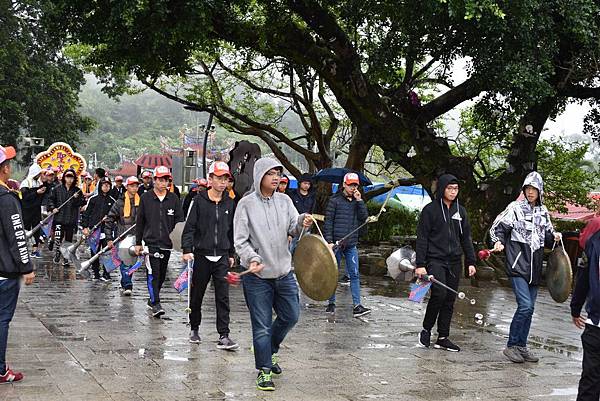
x,y
587,283
142,189
32,202
98,206
443,234
14,260
116,223
303,203
343,216
209,227
156,219
116,193
187,201
70,212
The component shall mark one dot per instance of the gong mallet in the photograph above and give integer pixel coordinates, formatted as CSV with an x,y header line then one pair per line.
x,y
29,234
188,310
460,295
86,264
235,278
485,254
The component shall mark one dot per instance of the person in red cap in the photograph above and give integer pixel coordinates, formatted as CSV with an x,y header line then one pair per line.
x,y
157,215
14,263
284,183
121,217
207,239
346,210
118,189
147,184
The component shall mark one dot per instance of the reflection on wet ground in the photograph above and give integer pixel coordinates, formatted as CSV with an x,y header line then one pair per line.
x,y
77,339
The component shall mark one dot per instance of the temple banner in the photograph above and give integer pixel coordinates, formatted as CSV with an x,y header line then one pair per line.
x,y
61,156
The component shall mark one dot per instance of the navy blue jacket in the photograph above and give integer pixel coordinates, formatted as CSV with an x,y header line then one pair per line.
x,y
587,284
343,216
303,203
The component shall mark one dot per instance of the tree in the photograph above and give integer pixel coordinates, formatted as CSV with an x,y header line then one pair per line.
x,y
38,86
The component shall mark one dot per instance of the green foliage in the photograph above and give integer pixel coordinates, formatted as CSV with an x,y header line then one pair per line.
x,y
395,221
568,225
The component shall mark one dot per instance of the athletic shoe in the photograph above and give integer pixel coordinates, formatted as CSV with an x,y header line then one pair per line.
x,y
276,369
425,339
227,343
106,276
264,381
106,280
527,355
157,311
127,292
360,310
65,263
195,337
513,355
345,280
330,308
149,304
10,376
36,254
96,277
51,245
444,343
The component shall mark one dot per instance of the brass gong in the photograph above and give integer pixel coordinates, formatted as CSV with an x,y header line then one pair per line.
x,y
559,275
316,267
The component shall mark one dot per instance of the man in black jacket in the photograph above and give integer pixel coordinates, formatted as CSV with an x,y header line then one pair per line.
x,y
443,235
146,183
157,215
14,263
119,189
346,210
97,209
303,196
208,240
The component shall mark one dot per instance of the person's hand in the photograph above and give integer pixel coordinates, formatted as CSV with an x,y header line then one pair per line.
x,y
110,244
139,249
255,267
231,262
188,256
331,246
579,321
308,221
498,247
557,237
41,190
54,211
357,195
86,231
420,271
472,271
28,278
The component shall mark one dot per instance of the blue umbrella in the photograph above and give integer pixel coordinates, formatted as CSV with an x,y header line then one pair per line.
x,y
336,176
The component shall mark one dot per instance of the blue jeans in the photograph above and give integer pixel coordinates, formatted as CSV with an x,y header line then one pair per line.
x,y
126,283
262,296
521,322
351,258
9,292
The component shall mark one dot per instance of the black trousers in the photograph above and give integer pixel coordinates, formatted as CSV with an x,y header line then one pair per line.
x,y
156,272
62,232
31,220
441,301
204,269
96,264
589,384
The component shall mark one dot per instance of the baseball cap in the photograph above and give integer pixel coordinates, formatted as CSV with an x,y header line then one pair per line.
x,y
104,180
49,171
119,178
161,171
88,176
130,180
7,153
351,178
284,179
69,172
219,169
146,174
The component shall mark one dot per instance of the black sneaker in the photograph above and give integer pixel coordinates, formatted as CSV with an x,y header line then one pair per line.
x,y
65,263
149,304
264,381
360,310
157,311
195,337
276,369
444,343
106,276
227,343
51,245
425,338
345,280
330,308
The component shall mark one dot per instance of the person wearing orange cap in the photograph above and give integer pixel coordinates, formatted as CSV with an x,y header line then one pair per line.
x,y
157,215
199,184
118,189
346,211
122,216
14,263
147,184
284,183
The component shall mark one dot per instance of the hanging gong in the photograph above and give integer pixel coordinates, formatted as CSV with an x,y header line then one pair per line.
x,y
316,267
559,276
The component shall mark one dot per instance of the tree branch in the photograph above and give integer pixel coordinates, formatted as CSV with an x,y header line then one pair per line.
x,y
580,92
449,100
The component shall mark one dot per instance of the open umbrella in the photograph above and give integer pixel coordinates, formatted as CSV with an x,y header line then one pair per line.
x,y
336,176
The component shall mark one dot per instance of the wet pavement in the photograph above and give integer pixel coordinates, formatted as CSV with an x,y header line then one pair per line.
x,y
75,339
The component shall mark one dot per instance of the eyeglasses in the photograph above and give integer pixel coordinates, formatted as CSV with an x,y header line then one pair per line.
x,y
449,188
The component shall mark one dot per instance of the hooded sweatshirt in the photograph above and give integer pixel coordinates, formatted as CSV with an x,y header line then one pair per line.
x,y
587,283
69,214
444,234
524,230
261,226
32,201
13,244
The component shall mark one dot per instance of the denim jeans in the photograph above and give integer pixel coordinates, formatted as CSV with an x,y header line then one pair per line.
x,y
351,257
521,322
9,292
262,296
126,283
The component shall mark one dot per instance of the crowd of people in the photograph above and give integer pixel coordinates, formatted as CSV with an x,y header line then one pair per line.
x,y
262,228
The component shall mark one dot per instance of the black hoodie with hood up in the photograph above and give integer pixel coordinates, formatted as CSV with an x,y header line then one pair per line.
x,y
444,234
69,213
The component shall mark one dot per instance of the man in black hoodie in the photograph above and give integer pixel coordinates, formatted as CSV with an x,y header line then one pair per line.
x,y
443,235
14,263
208,240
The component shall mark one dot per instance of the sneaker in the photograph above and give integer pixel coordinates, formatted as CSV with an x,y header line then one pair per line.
x,y
513,354
330,308
149,304
51,245
345,280
103,278
444,343
106,276
360,310
425,339
264,381
36,254
157,310
527,355
127,292
276,369
65,263
227,343
96,277
195,337
10,376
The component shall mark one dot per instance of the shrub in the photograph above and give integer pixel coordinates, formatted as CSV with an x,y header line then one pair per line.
x,y
395,221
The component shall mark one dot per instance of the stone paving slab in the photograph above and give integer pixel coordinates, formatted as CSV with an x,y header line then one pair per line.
x,y
81,340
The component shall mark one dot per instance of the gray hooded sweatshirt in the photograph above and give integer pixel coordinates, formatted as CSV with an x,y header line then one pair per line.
x,y
261,226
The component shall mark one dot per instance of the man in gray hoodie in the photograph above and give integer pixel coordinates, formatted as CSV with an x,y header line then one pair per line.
x,y
263,221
